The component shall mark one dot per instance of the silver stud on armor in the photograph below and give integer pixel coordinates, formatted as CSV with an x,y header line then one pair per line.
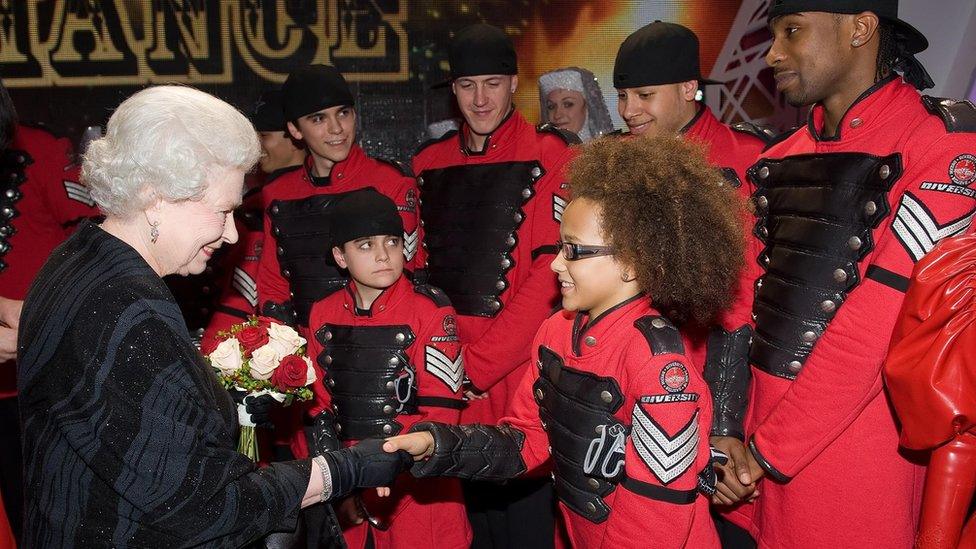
x,y
331,382
338,427
8,213
840,275
506,263
510,241
828,306
590,340
335,407
388,409
517,217
809,337
764,231
394,361
327,335
884,171
526,193
762,202
400,337
495,305
605,396
536,172
420,181
795,365
500,285
539,364
544,424
389,385
287,274
387,429
328,359
594,483
590,507
658,323
539,394
854,243
763,172
281,251
599,429
274,209
870,208
11,193
759,283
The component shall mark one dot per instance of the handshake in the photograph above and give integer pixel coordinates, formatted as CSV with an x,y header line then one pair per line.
x,y
374,463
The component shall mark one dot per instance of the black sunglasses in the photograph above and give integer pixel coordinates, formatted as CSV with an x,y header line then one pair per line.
x,y
575,252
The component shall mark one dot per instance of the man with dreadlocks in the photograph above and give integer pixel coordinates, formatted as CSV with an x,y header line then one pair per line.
x,y
846,206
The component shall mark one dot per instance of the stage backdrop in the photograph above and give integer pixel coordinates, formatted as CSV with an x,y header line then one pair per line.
x,y
68,63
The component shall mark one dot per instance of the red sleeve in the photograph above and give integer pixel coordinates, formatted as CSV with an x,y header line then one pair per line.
x,y
271,285
505,345
524,416
843,373
406,197
929,370
439,364
321,399
679,429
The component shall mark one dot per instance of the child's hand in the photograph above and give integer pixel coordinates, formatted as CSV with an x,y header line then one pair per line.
x,y
419,445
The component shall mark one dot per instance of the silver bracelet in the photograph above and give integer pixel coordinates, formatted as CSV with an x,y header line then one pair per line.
x,y
326,477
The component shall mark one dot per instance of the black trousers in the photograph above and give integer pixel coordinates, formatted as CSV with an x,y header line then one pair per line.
x,y
517,514
11,465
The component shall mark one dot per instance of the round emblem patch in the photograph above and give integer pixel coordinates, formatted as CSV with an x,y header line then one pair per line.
x,y
450,325
674,377
962,170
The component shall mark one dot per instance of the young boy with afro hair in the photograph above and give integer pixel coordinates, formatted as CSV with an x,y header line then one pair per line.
x,y
651,240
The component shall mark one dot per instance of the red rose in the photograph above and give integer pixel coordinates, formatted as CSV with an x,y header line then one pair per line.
x,y
252,338
292,373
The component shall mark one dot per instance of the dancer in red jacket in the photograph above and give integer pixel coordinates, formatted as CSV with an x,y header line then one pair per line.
x,y
614,400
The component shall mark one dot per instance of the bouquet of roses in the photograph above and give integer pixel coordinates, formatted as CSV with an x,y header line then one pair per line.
x,y
261,357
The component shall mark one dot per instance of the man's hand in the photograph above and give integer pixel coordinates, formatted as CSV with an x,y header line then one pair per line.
x,y
419,445
736,481
10,312
755,470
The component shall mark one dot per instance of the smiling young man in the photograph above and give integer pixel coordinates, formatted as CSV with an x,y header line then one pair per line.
x,y
296,267
846,206
493,194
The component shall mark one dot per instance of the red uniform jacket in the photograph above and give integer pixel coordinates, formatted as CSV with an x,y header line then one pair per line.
x,y
929,369
612,347
733,150
830,432
358,171
496,347
51,202
420,513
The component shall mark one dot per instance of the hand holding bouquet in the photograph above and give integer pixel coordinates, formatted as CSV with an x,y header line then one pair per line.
x,y
260,359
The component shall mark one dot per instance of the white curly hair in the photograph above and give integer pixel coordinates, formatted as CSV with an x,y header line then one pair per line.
x,y
165,140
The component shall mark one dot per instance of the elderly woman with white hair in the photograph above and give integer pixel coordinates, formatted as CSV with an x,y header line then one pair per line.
x,y
571,100
129,439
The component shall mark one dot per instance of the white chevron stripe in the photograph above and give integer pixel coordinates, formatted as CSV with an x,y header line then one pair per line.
x,y
410,244
78,192
451,372
244,284
919,231
558,207
666,456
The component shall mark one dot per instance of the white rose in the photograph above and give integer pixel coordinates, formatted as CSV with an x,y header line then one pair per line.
x,y
264,360
285,339
310,374
227,356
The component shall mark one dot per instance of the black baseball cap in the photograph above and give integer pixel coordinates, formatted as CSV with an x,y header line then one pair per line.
x,y
481,49
364,213
313,88
656,54
268,114
886,10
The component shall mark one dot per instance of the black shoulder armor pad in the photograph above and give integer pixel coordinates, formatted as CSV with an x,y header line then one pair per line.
x,y
661,335
397,165
958,116
567,136
430,142
781,137
433,293
764,133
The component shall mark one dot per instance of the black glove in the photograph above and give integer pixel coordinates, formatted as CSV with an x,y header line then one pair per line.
x,y
258,407
365,465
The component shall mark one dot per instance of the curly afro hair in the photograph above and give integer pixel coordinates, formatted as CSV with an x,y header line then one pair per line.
x,y
670,216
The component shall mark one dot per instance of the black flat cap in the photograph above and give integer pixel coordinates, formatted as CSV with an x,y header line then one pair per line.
x,y
313,88
886,10
364,213
481,49
656,54
268,114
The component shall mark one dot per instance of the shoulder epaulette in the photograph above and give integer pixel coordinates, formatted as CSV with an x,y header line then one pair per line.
x,y
732,177
958,116
433,293
567,136
435,140
763,133
662,336
782,136
397,165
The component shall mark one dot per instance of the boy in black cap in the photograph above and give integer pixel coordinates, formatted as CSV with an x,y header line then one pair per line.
x,y
389,356
296,269
493,194
846,206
